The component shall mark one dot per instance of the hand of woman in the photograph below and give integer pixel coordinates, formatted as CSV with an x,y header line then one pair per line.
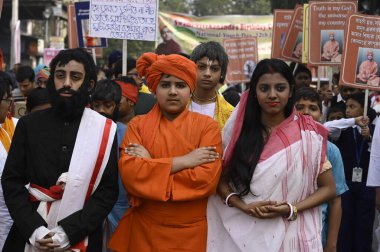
x,y
251,208
272,211
200,156
137,150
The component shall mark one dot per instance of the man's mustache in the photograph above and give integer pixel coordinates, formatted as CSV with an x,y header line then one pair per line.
x,y
65,90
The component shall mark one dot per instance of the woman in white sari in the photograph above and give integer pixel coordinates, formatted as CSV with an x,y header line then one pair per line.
x,y
275,174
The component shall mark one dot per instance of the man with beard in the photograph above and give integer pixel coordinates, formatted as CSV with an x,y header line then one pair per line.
x,y
146,100
60,178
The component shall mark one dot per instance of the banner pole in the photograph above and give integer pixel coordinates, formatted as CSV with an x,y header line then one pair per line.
x,y
94,54
319,78
125,50
295,68
366,102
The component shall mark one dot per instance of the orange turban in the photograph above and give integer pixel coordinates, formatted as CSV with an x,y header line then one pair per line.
x,y
152,66
128,90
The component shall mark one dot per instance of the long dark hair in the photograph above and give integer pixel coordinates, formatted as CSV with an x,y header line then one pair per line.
x,y
250,144
79,55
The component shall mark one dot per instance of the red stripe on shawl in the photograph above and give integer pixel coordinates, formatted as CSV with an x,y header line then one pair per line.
x,y
289,132
99,160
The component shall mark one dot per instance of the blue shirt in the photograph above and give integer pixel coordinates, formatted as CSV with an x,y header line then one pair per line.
x,y
333,155
122,203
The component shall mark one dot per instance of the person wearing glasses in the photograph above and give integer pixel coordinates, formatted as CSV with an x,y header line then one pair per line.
x,y
6,133
145,100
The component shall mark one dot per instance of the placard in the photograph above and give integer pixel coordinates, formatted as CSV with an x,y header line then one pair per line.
x,y
281,22
292,49
327,22
242,58
362,53
124,19
85,40
1,6
49,54
19,109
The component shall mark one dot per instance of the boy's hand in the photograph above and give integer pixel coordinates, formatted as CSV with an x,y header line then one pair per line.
x,y
366,133
361,121
137,150
200,156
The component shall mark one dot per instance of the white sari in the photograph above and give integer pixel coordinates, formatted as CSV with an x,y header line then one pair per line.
x,y
287,171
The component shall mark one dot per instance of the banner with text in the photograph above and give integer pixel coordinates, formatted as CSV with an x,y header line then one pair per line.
x,y
327,23
362,53
292,49
189,31
124,19
281,22
242,58
49,54
85,40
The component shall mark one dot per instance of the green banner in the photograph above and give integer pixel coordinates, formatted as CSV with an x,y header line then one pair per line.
x,y
188,31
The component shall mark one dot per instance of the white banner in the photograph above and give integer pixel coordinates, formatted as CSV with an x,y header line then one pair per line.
x,y
124,19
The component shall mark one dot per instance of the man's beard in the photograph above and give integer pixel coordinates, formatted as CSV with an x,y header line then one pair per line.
x,y
69,107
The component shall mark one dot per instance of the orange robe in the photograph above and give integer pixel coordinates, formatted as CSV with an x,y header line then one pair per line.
x,y
168,211
330,50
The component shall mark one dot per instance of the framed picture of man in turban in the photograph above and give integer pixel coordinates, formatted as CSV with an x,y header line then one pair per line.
x,y
297,49
367,70
331,45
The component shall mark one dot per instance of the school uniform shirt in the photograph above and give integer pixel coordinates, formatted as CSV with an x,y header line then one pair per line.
x,y
333,155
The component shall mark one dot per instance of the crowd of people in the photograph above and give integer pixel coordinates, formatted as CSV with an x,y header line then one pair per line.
x,y
160,160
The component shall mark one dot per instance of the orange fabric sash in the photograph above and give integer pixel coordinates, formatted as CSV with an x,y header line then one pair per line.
x,y
9,127
5,139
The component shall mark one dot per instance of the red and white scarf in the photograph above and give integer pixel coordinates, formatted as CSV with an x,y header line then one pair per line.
x,y
90,156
